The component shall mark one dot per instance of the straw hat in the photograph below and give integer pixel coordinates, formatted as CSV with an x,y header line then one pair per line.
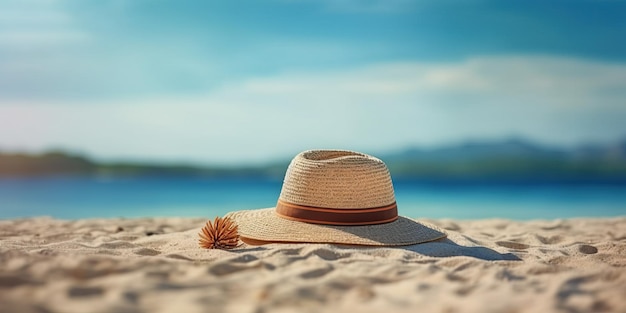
x,y
334,196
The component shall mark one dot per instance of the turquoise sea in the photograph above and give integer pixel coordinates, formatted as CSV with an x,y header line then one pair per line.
x,y
87,197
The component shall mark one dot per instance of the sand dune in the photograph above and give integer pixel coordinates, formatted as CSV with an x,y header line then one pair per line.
x,y
155,265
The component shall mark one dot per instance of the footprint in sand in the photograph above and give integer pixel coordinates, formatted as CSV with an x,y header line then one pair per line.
x,y
512,245
325,254
147,252
158,274
79,292
319,272
178,257
226,268
246,258
587,249
16,280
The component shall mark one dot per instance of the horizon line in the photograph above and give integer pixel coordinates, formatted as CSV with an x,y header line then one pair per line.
x,y
265,161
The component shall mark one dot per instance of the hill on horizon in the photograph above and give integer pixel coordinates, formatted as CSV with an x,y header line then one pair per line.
x,y
512,160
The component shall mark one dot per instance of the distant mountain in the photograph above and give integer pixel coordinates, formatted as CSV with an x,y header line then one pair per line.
x,y
513,160
54,162
508,161
512,148
615,151
61,163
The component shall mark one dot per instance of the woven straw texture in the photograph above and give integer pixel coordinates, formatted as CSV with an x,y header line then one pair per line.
x,y
336,179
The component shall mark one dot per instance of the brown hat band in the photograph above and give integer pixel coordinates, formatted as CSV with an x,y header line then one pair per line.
x,y
328,216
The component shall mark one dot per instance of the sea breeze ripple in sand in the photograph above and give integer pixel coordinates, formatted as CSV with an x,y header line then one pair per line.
x,y
155,265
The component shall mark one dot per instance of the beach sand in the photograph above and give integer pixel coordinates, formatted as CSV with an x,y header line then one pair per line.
x,y
155,265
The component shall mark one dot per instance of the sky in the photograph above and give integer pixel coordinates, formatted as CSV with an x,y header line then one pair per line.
x,y
224,82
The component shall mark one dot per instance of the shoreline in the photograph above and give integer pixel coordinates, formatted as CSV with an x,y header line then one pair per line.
x,y
155,265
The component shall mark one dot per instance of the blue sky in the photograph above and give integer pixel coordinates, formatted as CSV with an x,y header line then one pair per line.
x,y
250,81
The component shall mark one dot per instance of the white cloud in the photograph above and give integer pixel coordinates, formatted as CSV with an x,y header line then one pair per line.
x,y
36,24
565,81
16,39
372,108
33,16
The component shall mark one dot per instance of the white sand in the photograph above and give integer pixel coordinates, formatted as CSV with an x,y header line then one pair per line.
x,y
155,265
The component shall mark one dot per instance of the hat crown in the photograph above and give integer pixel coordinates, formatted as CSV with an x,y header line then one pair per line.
x,y
338,179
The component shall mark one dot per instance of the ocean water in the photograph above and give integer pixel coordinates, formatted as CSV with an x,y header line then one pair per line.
x,y
87,197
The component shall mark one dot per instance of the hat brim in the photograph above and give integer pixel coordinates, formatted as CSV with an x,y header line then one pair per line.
x,y
265,225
